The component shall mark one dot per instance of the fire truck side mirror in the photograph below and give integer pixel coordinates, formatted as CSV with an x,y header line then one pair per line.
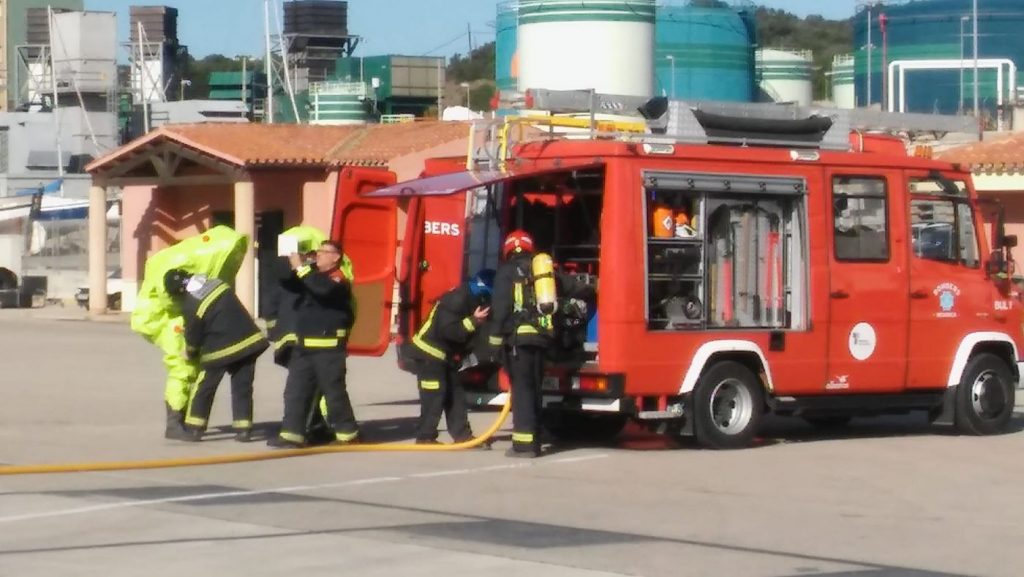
x,y
996,263
998,266
1010,241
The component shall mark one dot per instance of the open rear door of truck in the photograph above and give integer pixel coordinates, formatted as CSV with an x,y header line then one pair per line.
x,y
367,229
444,233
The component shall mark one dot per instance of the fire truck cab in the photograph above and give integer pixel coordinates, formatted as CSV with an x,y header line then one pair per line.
x,y
743,265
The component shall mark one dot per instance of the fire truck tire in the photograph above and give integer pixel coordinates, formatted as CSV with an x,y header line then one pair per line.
x,y
728,403
985,396
571,426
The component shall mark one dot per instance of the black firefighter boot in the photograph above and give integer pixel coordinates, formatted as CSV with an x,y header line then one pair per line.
x,y
176,425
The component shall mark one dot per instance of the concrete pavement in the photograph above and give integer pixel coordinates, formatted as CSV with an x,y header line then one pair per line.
x,y
885,497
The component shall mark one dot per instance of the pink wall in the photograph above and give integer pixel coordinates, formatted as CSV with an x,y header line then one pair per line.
x,y
154,218
1013,203
410,166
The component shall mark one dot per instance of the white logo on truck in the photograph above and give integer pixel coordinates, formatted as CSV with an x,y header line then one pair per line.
x,y
862,341
439,228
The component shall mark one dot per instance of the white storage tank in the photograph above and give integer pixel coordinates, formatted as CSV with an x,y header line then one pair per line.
x,y
606,45
785,75
843,88
337,103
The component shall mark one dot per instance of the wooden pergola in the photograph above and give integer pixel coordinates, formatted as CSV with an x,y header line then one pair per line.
x,y
160,160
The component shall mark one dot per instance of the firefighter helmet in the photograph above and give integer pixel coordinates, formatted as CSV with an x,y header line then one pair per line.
x,y
517,241
482,284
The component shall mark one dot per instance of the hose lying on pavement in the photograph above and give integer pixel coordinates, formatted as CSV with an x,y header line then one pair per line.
x,y
260,456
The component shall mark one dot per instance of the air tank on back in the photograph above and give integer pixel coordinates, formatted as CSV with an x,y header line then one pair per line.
x,y
705,52
605,45
937,29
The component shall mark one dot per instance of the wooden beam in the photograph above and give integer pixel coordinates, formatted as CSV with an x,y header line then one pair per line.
x,y
130,164
162,170
232,170
198,180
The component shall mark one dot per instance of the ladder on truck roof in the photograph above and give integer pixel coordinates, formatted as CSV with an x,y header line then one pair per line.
x,y
664,121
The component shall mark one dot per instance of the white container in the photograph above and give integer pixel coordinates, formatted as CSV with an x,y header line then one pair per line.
x,y
604,45
843,91
786,75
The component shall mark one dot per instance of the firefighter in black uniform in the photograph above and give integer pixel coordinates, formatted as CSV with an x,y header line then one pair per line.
x,y
438,348
281,308
223,338
525,334
323,318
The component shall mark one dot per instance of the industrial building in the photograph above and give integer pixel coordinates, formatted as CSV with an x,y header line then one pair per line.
x,y
685,50
330,86
921,55
15,31
248,87
63,101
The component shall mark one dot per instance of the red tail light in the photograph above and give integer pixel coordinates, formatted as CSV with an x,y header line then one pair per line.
x,y
593,384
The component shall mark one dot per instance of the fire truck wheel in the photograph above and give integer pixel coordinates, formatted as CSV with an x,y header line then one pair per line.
x,y
727,406
985,396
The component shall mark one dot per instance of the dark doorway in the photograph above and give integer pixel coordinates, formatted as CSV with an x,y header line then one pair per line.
x,y
269,224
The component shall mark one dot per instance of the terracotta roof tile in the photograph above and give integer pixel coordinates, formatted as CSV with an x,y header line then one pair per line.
x,y
263,144
1005,154
380,143
256,145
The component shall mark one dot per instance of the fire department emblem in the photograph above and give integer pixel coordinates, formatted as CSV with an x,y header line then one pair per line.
x,y
947,293
946,301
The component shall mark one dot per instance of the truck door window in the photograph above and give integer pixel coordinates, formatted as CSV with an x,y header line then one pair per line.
x,y
724,252
942,222
860,219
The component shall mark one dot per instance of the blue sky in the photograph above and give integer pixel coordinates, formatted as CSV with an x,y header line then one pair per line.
x,y
413,27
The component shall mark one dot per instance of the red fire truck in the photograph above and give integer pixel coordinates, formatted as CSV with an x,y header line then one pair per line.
x,y
747,259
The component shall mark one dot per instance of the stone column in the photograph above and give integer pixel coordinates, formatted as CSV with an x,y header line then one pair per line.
x,y
97,250
245,223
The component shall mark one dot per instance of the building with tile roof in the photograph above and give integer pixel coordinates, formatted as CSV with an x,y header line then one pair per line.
x,y
179,180
997,167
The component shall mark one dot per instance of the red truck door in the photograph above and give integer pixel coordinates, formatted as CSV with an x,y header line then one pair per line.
x,y
367,229
868,282
442,222
948,293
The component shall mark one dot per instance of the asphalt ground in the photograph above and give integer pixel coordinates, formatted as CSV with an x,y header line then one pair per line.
x,y
891,496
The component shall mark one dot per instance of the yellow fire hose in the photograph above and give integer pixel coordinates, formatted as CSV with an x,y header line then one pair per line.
x,y
262,456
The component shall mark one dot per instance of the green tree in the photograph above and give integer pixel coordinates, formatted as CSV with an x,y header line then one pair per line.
x,y
477,65
826,38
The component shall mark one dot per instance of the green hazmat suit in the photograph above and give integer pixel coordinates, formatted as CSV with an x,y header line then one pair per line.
x,y
217,253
